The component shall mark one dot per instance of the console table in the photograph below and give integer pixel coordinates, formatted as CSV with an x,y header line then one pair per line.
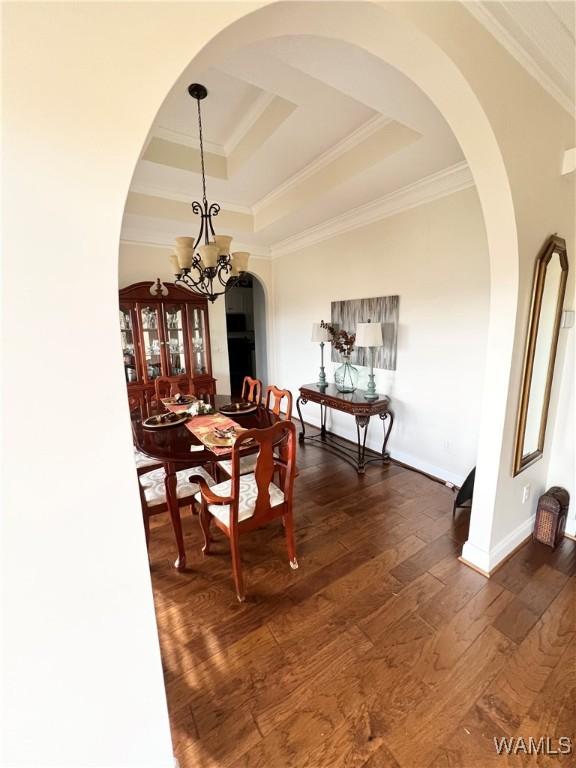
x,y
355,404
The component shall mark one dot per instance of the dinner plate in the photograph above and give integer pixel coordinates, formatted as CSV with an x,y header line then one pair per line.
x,y
235,409
160,422
212,440
184,400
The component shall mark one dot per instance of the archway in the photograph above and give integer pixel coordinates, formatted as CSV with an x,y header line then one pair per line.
x,y
246,322
443,83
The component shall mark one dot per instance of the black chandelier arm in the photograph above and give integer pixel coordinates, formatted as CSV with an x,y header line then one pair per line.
x,y
224,268
203,289
213,210
188,277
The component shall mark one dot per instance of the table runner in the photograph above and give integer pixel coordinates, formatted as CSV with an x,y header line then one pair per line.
x,y
200,426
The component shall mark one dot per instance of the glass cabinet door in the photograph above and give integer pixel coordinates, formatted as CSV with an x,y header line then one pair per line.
x,y
150,324
128,344
198,341
176,351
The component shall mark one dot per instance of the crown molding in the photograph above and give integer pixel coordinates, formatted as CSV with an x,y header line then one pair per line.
x,y
481,13
152,191
346,144
177,137
248,119
440,184
154,239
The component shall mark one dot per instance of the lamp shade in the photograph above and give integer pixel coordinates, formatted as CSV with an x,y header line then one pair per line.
x,y
319,333
240,260
223,243
209,254
369,335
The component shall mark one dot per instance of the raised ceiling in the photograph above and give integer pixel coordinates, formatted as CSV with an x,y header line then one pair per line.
x,y
305,136
298,131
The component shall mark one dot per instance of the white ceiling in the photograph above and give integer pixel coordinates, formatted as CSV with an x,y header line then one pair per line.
x,y
294,119
341,96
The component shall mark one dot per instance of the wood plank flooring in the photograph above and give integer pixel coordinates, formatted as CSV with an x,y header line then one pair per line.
x,y
380,651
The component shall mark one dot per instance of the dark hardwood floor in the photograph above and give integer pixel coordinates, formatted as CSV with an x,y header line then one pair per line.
x,y
382,650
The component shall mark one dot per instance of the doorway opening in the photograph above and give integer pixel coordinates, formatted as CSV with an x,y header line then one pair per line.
x,y
246,332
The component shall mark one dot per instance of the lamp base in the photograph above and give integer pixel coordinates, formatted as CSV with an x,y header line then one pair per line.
x,y
371,393
322,378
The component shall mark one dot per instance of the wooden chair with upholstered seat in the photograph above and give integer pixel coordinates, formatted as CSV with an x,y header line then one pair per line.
x,y
252,390
151,483
246,502
274,398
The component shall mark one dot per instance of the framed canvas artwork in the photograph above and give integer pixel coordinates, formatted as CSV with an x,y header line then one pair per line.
x,y
346,315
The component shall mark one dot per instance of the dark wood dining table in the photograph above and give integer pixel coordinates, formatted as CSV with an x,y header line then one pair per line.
x,y
173,447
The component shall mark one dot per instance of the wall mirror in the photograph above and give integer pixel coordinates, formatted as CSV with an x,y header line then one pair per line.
x,y
548,291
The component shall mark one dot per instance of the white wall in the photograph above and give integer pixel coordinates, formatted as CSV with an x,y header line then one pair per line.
x,y
560,433
435,258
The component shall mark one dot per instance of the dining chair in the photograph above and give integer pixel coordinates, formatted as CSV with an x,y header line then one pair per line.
x,y
252,390
246,502
168,386
153,491
144,463
274,398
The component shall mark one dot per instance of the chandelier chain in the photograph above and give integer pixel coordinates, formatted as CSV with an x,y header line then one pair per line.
x,y
204,199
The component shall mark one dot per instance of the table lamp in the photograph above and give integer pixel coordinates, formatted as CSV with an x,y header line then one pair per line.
x,y
369,335
321,334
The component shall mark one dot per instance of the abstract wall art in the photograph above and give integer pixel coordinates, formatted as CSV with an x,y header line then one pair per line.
x,y
347,314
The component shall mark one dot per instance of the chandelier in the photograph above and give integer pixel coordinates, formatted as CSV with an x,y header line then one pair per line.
x,y
205,265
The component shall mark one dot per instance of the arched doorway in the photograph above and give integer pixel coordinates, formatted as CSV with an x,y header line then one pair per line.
x,y
443,83
246,332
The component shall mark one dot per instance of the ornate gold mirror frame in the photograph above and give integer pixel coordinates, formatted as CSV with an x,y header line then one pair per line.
x,y
548,291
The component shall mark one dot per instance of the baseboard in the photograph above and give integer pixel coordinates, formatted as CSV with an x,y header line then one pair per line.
x,y
475,558
510,543
570,530
487,563
474,567
408,459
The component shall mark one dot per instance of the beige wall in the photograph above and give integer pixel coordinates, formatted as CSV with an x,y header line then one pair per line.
x,y
435,258
561,430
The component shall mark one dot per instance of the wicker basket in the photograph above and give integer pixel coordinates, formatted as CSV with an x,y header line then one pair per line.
x,y
551,516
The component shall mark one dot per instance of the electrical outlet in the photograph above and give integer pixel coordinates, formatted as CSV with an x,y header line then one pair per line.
x,y
525,494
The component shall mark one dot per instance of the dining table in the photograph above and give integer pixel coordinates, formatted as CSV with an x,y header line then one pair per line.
x,y
176,448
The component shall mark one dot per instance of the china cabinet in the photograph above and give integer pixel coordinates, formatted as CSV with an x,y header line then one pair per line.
x,y
164,332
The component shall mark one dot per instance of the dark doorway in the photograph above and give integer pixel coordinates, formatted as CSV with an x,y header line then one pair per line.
x,y
240,332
